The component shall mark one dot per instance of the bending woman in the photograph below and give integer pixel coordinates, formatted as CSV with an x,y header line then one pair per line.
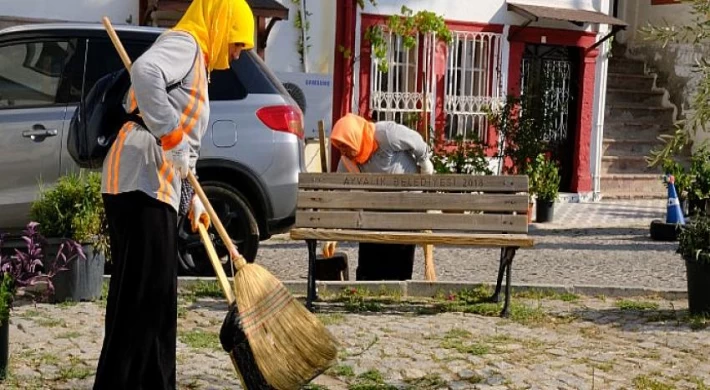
x,y
381,147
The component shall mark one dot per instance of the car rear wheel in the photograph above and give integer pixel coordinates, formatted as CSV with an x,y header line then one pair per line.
x,y
237,218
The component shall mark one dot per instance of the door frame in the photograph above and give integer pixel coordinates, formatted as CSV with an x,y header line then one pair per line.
x,y
518,37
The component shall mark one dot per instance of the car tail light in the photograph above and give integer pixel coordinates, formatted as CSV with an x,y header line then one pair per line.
x,y
282,118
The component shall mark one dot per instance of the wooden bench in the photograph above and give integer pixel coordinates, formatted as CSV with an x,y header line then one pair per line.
x,y
458,210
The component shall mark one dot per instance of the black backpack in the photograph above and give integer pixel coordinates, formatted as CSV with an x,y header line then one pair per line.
x,y
100,116
98,119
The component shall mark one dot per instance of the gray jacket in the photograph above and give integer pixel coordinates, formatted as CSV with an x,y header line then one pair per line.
x,y
400,150
135,161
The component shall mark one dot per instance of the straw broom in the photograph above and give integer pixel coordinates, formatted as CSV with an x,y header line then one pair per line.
x,y
290,345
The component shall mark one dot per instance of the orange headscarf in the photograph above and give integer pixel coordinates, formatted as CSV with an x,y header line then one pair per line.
x,y
217,23
357,133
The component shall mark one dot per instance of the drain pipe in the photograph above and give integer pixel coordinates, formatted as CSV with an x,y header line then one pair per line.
x,y
600,107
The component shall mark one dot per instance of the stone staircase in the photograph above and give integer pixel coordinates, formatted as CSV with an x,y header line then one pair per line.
x,y
636,113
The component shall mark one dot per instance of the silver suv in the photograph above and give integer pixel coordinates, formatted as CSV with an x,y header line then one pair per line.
x,y
251,155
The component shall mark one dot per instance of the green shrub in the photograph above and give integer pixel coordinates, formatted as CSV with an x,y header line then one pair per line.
x,y
73,209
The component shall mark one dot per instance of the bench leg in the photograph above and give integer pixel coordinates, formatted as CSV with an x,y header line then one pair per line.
x,y
496,295
311,293
506,261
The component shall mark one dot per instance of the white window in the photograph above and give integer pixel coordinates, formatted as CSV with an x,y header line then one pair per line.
x,y
472,83
396,95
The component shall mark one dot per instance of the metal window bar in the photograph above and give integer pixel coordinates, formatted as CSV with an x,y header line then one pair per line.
x,y
473,81
395,95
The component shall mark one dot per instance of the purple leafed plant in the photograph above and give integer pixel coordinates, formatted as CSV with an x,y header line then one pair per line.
x,y
27,267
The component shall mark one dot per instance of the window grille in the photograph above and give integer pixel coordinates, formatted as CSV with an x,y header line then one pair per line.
x,y
473,81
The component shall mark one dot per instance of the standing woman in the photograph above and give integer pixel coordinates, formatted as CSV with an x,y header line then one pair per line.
x,y
381,147
143,184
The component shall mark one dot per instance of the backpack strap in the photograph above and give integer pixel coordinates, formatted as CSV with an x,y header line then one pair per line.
x,y
134,116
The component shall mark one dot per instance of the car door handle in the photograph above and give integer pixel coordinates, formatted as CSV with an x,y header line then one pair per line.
x,y
39,134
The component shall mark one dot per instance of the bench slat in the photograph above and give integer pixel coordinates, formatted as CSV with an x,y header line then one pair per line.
x,y
413,182
501,223
436,238
411,201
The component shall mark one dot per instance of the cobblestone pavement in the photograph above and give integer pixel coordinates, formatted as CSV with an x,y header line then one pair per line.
x,y
549,342
605,244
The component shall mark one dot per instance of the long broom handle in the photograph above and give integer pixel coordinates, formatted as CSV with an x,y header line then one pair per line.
x,y
216,264
234,253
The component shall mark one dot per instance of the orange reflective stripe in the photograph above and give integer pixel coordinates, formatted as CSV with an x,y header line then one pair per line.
x,y
193,92
200,104
133,104
161,180
117,158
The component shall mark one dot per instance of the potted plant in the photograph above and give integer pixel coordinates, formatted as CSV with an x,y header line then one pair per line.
x,y
27,268
699,190
694,247
548,186
73,209
522,125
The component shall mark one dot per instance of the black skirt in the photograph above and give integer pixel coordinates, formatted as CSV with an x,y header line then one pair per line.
x,y
385,261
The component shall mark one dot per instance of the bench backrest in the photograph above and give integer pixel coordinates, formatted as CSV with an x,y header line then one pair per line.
x,y
401,202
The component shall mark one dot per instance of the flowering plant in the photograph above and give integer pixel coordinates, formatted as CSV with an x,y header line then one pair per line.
x,y
26,268
461,156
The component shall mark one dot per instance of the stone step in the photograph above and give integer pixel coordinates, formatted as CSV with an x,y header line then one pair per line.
x,y
626,164
634,130
632,186
628,147
634,112
626,66
642,82
646,98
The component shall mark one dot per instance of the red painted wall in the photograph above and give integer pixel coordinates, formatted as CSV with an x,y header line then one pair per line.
x,y
582,178
343,66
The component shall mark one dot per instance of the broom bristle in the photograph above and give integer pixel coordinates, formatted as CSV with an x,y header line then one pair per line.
x,y
290,344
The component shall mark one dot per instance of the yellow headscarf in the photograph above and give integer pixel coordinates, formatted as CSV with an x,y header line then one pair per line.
x,y
217,23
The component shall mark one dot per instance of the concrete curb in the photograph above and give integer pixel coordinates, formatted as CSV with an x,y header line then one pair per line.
x,y
424,289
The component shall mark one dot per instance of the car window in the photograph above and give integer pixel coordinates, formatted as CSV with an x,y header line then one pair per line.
x,y
31,72
102,59
225,85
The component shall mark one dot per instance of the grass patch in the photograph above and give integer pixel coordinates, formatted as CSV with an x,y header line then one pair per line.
x,y
331,319
630,305
342,371
546,294
66,304
69,335
476,301
371,380
698,322
429,381
205,289
50,322
455,339
643,382
31,314
74,371
200,339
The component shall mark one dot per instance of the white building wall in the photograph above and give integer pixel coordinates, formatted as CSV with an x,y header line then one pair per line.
x,y
119,11
674,63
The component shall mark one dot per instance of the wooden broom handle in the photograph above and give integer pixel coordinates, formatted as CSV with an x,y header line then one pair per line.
x,y
236,257
234,253
214,259
117,42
